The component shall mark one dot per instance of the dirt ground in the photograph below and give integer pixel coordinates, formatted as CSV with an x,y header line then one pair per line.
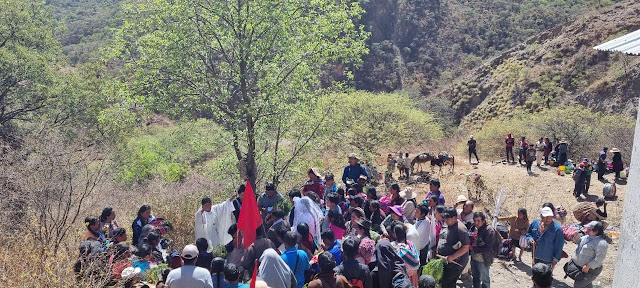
x,y
530,192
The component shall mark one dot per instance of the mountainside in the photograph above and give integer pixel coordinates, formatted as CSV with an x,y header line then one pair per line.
x,y
553,69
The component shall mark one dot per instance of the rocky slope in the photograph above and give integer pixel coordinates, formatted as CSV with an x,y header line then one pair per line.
x,y
554,68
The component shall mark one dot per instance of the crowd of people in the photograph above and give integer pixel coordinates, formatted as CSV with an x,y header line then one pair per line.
x,y
336,236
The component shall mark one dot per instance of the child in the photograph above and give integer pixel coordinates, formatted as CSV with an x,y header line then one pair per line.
x,y
232,276
143,258
204,257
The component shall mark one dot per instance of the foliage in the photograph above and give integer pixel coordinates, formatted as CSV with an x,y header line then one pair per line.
x,y
168,152
435,268
243,64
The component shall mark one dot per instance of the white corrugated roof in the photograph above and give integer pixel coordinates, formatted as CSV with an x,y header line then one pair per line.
x,y
629,44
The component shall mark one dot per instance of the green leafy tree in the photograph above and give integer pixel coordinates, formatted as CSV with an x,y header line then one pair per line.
x,y
242,63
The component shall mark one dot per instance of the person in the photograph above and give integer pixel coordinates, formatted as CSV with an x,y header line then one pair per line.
x,y
547,150
366,250
306,242
217,273
432,203
522,150
108,222
233,232
119,260
292,195
296,259
423,226
268,199
213,221
434,189
189,275
237,202
590,254
356,202
406,165
531,156
353,171
256,249
308,212
336,223
333,203
563,148
356,273
409,204
394,215
327,277
465,214
93,232
472,148
118,235
588,170
618,165
482,251
600,203
144,218
315,183
579,175
540,148
454,245
330,244
355,216
602,163
274,271
396,199
377,215
407,251
541,275
546,236
232,276
388,264
278,215
143,258
153,239
174,260
509,143
427,281
518,226
204,256
330,184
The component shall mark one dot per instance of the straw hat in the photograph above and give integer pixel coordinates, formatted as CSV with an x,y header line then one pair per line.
x,y
563,141
407,193
315,171
615,150
461,198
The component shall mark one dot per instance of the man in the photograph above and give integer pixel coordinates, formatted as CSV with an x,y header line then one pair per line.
x,y
293,194
189,275
423,227
327,277
602,163
547,237
454,245
434,189
356,273
278,215
353,171
482,251
256,249
588,169
204,257
237,203
466,213
232,275
509,142
522,150
268,199
330,244
331,186
547,150
213,221
563,149
472,148
315,183
541,276
540,148
296,259
406,164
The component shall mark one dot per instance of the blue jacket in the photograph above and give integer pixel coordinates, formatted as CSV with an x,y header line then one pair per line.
x,y
336,250
548,245
354,172
290,256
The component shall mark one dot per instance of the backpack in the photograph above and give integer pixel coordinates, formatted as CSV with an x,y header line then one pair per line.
x,y
505,250
356,283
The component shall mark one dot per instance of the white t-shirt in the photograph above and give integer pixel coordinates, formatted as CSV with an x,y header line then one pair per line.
x,y
189,276
466,219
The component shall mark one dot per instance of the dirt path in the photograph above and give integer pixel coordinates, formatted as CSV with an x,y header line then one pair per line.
x,y
530,192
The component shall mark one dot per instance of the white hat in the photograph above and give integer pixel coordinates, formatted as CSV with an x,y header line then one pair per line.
x,y
546,212
407,193
130,271
189,252
461,198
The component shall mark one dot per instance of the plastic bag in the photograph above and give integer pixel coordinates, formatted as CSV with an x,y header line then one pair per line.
x,y
523,242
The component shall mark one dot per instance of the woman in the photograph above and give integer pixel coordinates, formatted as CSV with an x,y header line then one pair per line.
x,y
144,218
93,232
217,273
389,264
409,205
436,217
396,199
366,249
395,215
590,254
377,216
315,183
336,223
518,226
306,211
275,271
306,242
108,221
408,252
372,195
355,216
531,156
618,165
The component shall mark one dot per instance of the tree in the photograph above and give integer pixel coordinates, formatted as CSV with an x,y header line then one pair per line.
x,y
241,63
28,55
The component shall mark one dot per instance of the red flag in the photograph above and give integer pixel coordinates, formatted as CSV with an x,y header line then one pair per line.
x,y
255,275
250,217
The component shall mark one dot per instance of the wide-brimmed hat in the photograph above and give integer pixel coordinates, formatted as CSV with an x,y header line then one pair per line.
x,y
398,210
461,198
364,223
353,155
407,193
360,210
314,171
563,141
470,136
615,150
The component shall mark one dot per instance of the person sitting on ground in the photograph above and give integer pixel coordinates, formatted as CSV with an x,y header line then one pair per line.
x,y
434,189
377,215
356,273
153,239
232,276
547,235
371,195
427,281
143,256
590,254
120,260
518,226
315,183
454,245
296,259
306,242
256,249
189,275
541,275
108,222
144,217
217,273
327,277
118,235
204,256
278,215
355,216
93,232
333,203
330,244
601,203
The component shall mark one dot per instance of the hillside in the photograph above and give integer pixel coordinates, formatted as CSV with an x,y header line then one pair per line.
x,y
553,69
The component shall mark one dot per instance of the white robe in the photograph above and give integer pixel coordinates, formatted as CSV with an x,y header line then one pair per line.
x,y
214,225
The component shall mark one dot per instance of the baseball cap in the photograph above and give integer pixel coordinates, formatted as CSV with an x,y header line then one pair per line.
x,y
546,212
593,225
189,252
